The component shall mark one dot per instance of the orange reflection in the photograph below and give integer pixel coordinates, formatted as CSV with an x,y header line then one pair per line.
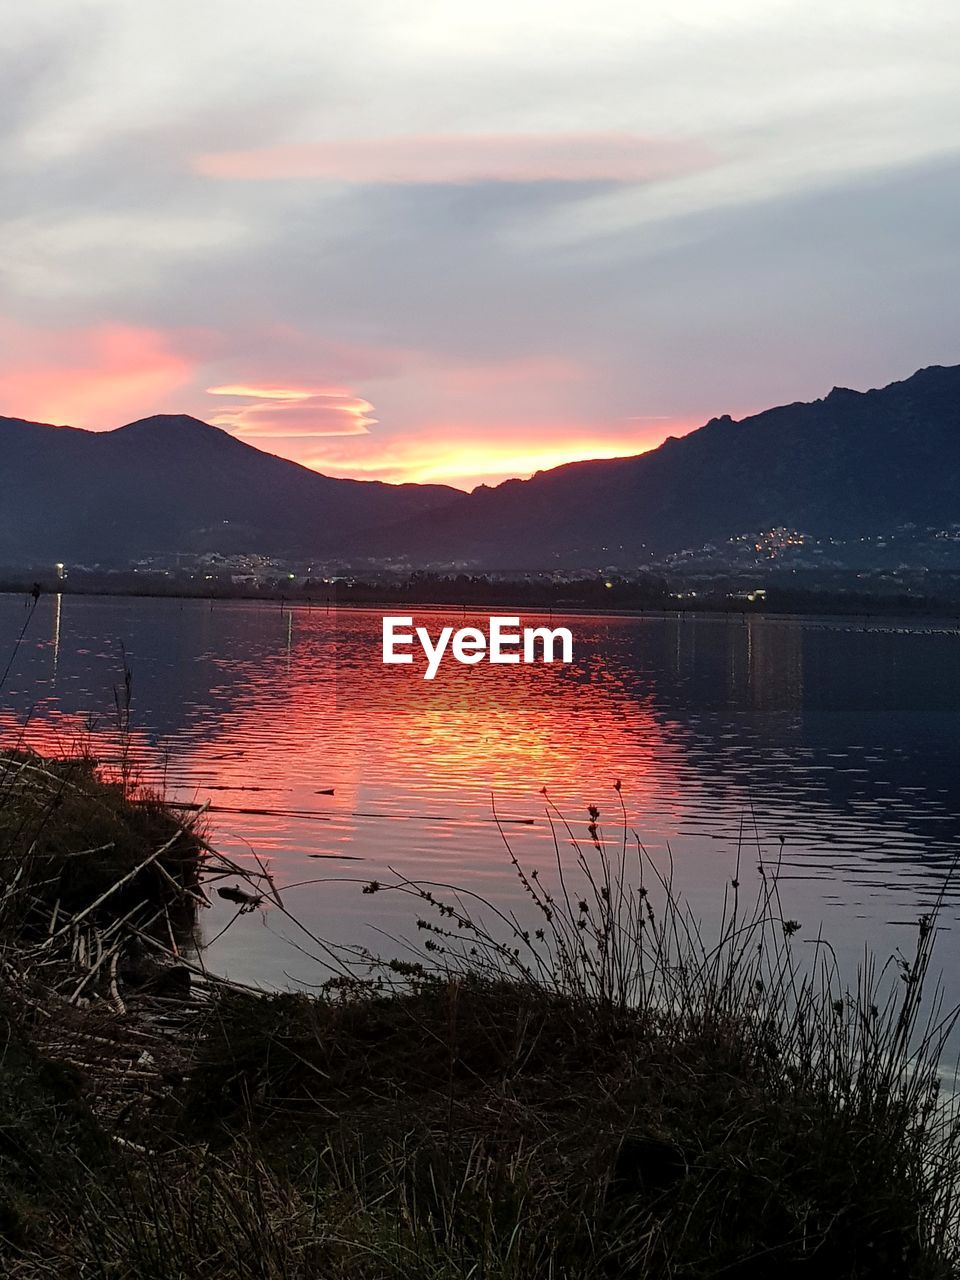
x,y
344,719
321,750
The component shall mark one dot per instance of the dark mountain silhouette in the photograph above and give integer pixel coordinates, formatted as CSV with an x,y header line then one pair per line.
x,y
845,466
172,483
849,465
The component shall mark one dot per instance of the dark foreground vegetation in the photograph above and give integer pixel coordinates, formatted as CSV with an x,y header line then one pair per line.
x,y
606,1094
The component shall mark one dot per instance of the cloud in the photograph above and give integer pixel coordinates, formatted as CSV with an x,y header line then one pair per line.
x,y
435,159
548,230
292,413
97,377
273,393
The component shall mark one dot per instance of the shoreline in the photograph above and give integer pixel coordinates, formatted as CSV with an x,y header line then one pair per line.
x,y
881,610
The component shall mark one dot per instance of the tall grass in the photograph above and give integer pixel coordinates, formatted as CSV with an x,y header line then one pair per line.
x,y
596,1086
621,1092
615,937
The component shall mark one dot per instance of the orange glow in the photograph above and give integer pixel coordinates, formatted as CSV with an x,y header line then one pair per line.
x,y
269,393
495,463
105,375
440,460
513,435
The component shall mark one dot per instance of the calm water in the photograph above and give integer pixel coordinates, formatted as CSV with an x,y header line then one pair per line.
x,y
841,737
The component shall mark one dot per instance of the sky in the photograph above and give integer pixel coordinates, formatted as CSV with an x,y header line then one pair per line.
x,y
434,241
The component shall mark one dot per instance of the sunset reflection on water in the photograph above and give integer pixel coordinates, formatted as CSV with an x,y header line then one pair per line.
x,y
326,763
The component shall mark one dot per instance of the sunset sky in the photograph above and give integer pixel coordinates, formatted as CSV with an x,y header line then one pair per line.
x,y
425,240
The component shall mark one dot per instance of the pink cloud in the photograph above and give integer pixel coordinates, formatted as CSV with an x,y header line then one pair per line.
x,y
285,413
245,392
432,158
452,420
97,377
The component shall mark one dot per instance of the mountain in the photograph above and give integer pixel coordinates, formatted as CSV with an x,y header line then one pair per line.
x,y
172,483
849,465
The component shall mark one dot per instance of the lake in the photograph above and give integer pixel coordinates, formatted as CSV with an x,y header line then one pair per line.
x,y
841,736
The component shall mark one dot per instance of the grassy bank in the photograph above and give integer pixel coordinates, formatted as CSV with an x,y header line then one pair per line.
x,y
605,1093
69,835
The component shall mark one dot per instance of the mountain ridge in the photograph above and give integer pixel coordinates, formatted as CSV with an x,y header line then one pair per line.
x,y
171,483
840,466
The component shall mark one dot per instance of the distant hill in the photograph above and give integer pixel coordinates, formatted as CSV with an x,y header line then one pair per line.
x,y
852,464
172,483
848,465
